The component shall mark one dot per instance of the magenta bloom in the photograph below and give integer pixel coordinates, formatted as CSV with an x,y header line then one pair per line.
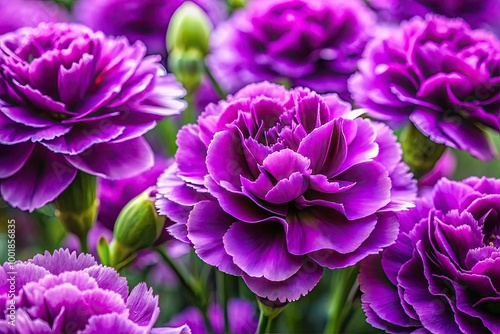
x,y
63,293
440,75
72,99
139,20
478,13
442,274
309,43
241,314
17,14
273,185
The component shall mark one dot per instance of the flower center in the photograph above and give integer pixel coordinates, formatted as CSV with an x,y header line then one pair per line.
x,y
494,238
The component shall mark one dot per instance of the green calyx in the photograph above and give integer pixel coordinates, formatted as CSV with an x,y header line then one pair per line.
x,y
77,206
189,28
419,151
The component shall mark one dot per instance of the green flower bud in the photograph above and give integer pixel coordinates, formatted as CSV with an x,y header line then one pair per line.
x,y
235,4
137,227
189,28
419,151
77,206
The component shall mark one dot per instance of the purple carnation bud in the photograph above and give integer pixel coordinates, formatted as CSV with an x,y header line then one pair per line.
x,y
139,20
442,274
478,13
439,74
66,293
308,43
72,99
273,185
16,14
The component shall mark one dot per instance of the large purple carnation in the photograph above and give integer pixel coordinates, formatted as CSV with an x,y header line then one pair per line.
x,y
139,20
308,43
72,99
273,185
15,14
63,293
439,74
442,274
478,13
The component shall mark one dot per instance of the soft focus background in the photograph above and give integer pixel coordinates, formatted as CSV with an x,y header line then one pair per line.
x,y
147,20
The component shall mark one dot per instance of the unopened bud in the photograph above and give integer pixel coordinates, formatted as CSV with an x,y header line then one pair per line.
x,y
137,227
189,28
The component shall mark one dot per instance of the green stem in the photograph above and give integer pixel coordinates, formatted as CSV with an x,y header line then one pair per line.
x,y
223,298
343,281
189,115
222,94
167,129
186,279
83,243
264,323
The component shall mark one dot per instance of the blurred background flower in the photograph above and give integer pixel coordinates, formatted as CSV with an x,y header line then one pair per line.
x,y
299,43
242,318
15,14
478,13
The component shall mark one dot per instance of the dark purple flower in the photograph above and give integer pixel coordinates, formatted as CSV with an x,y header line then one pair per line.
x,y
63,293
241,314
139,20
273,185
15,14
440,75
442,274
72,99
308,43
478,13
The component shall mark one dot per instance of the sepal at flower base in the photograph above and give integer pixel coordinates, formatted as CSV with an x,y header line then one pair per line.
x,y
77,206
419,151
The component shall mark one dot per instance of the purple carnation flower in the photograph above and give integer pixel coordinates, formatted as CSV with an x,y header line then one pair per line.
x,y
273,185
478,13
241,314
439,74
63,293
310,43
72,99
139,20
16,14
442,274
